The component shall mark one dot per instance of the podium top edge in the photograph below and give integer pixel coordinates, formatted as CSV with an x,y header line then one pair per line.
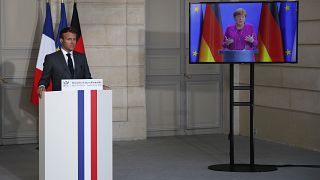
x,y
79,90
221,51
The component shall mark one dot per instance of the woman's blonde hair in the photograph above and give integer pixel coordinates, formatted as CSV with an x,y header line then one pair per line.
x,y
240,11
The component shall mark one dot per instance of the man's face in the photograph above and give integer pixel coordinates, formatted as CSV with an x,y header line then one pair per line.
x,y
68,41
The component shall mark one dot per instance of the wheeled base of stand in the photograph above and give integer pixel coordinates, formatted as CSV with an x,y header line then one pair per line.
x,y
243,168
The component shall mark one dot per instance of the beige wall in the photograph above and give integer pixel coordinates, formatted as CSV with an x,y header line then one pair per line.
x,y
114,34
114,38
287,97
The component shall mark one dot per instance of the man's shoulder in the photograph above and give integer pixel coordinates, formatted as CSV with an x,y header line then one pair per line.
x,y
79,55
54,54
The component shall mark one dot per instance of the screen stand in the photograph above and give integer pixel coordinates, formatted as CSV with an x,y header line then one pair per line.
x,y
232,167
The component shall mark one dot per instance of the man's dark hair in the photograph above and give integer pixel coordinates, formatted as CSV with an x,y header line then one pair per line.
x,y
67,29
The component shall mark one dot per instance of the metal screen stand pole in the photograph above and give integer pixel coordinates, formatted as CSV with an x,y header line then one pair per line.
x,y
231,128
251,115
232,167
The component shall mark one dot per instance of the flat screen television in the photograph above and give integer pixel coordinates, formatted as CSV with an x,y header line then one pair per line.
x,y
243,32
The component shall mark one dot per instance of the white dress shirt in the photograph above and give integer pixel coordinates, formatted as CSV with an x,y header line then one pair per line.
x,y
64,52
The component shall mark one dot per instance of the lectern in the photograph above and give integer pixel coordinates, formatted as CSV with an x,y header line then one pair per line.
x,y
75,135
238,56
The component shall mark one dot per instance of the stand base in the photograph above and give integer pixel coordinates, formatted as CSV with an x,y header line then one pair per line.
x,y
242,168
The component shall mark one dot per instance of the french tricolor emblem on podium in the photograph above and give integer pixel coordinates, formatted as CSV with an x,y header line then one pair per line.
x,y
76,135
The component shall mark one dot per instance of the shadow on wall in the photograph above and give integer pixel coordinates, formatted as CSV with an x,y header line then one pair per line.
x,y
9,118
27,106
19,118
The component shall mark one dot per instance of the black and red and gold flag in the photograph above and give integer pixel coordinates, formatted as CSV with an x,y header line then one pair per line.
x,y
75,23
212,35
270,43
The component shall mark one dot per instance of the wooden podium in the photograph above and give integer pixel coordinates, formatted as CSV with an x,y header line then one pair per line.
x,y
75,135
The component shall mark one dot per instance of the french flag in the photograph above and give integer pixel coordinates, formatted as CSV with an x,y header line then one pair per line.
x,y
63,24
75,135
47,46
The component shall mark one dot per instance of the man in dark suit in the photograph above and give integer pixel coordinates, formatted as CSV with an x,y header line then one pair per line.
x,y
63,64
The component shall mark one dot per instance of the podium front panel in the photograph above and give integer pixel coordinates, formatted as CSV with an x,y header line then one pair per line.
x,y
238,56
76,135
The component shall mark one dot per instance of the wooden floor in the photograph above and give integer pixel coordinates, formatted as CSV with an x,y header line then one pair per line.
x,y
180,158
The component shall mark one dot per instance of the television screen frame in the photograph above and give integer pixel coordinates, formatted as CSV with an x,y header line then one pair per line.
x,y
225,21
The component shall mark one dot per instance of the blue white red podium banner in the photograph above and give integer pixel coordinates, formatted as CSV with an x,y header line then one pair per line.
x,y
76,135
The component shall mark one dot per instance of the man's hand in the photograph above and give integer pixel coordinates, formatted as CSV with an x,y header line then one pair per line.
x,y
41,89
105,87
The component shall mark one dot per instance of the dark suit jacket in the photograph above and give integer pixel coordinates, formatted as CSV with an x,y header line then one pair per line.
x,y
55,68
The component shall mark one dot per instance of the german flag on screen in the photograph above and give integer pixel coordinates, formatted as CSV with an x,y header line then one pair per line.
x,y
212,35
269,39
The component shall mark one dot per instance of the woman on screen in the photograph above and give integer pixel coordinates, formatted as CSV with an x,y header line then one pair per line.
x,y
240,35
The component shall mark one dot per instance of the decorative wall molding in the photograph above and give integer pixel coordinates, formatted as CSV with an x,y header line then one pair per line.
x,y
204,97
18,29
163,95
163,65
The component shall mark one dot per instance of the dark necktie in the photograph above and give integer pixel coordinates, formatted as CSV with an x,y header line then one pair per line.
x,y
70,64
